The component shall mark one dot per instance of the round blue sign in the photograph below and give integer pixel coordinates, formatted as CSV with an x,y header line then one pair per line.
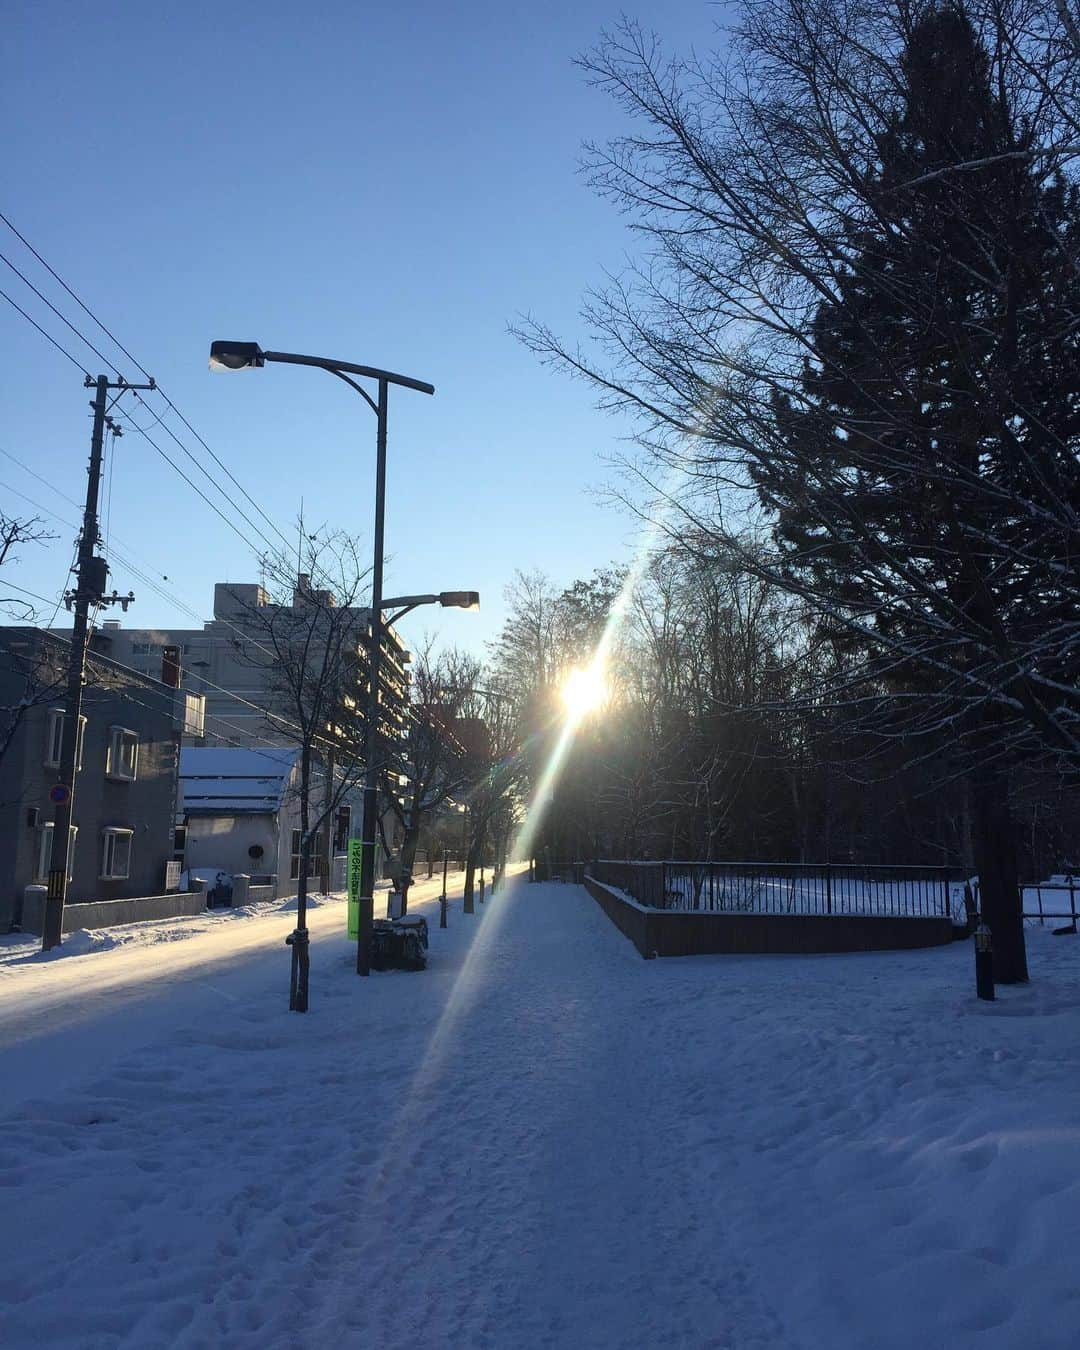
x,y
59,795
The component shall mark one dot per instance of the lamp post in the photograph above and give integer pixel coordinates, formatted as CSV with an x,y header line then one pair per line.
x,y
227,355
249,355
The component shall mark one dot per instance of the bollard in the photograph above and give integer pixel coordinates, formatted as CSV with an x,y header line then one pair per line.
x,y
984,961
442,898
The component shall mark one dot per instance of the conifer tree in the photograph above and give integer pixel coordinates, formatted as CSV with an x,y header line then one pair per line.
x,y
926,457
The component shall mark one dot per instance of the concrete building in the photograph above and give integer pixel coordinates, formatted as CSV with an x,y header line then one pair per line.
x,y
240,811
227,661
126,780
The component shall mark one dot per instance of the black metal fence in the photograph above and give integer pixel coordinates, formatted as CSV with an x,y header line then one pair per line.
x,y
1051,899
789,888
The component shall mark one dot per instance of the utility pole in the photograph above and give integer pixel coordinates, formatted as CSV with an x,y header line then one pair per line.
x,y
91,574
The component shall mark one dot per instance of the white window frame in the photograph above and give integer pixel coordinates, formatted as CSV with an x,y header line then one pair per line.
x,y
54,739
110,868
118,737
43,860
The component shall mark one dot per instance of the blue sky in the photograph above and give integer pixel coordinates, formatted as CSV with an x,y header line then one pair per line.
x,y
387,185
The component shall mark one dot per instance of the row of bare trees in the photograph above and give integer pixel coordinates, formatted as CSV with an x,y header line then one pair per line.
x,y
722,736
443,765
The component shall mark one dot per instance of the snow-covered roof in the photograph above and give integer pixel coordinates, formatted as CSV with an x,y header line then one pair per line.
x,y
221,780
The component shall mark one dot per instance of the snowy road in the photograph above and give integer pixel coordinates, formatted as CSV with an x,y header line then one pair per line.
x,y
86,1014
544,1141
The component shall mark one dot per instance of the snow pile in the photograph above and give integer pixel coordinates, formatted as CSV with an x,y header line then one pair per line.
x,y
542,1141
26,947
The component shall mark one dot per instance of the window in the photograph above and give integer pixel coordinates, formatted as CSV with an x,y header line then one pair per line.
x,y
44,852
315,861
179,843
115,854
140,648
54,739
123,757
342,829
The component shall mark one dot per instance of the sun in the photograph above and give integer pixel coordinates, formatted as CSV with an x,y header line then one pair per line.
x,y
583,690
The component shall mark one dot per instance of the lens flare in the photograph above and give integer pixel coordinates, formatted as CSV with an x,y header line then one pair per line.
x,y
583,691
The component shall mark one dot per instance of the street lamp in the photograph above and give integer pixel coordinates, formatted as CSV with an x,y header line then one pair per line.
x,y
448,599
249,355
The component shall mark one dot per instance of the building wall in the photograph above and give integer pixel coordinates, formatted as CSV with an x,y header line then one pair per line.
x,y
223,841
225,661
146,805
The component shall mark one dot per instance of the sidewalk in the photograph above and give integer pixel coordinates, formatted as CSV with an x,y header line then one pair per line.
x,y
544,1141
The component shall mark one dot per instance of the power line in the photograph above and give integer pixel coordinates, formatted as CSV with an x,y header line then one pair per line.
x,y
196,489
10,585
124,561
158,418
104,359
63,319
114,339
203,470
47,336
132,423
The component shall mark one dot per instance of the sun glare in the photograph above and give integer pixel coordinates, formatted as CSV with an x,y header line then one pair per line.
x,y
583,690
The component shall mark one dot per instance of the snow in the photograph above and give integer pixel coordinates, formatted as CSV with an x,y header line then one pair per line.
x,y
223,778
541,1141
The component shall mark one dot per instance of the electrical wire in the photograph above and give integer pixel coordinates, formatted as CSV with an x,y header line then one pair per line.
x,y
63,319
10,585
158,418
47,336
173,599
139,366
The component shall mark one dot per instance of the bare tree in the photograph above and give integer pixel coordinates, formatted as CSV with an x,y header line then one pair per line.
x,y
15,530
435,761
310,639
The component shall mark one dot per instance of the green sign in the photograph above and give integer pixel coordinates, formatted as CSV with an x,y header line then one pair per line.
x,y
352,874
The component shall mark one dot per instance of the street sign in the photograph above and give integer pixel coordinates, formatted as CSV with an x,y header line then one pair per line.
x,y
352,879
59,794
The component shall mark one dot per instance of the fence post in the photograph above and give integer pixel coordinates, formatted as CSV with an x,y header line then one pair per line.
x,y
828,888
1072,901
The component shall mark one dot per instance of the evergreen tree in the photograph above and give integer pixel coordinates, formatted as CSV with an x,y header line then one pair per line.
x,y
924,465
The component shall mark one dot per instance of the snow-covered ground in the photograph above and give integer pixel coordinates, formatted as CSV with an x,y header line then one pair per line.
x,y
542,1141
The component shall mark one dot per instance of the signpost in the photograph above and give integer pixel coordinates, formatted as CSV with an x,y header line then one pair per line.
x,y
353,885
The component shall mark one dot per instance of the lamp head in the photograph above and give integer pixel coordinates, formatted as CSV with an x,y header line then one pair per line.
x,y
459,599
235,355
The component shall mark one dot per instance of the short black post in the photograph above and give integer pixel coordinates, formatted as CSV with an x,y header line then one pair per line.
x,y
984,962
442,898
481,882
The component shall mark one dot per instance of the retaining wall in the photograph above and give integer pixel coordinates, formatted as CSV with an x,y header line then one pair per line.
x,y
106,913
681,933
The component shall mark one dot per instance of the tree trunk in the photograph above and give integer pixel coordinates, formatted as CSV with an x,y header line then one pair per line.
x,y
1000,901
408,861
298,994
470,875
